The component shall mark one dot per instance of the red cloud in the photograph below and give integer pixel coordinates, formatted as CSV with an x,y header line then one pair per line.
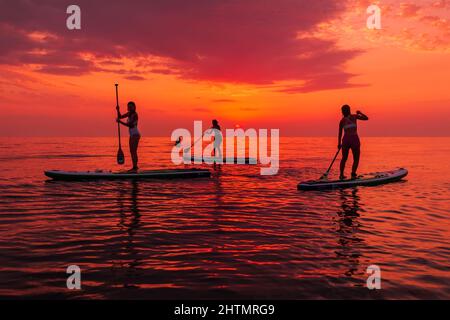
x,y
251,41
441,4
409,9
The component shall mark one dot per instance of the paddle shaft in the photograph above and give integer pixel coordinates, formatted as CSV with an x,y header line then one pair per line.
x,y
187,149
117,104
120,156
332,162
196,142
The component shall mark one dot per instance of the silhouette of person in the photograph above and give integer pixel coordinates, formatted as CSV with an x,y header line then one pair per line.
x,y
135,136
348,125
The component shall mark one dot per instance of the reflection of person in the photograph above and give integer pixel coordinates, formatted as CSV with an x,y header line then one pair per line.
x,y
351,139
127,258
130,218
348,229
217,138
134,132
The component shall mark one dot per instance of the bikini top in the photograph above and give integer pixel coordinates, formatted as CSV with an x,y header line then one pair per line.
x,y
129,121
350,124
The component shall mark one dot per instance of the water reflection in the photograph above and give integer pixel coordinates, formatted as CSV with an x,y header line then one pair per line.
x,y
129,216
237,234
127,258
348,227
217,183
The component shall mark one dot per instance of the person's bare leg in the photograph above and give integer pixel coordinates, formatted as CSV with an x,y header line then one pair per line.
x,y
134,142
356,155
131,145
344,160
135,164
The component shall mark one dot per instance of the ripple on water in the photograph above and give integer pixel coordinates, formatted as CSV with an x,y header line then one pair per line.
x,y
236,235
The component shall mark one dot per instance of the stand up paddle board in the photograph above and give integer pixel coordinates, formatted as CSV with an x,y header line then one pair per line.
x,y
144,174
228,160
369,179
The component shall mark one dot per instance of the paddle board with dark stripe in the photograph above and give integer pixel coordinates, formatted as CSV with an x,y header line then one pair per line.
x,y
144,174
369,179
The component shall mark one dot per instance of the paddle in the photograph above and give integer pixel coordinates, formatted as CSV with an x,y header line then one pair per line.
x,y
120,155
325,175
189,148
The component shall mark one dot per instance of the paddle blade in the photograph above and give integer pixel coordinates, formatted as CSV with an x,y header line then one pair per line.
x,y
120,157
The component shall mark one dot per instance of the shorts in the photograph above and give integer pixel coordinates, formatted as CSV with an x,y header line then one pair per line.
x,y
351,142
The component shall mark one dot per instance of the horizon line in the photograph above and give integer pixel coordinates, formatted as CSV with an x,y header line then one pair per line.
x,y
281,136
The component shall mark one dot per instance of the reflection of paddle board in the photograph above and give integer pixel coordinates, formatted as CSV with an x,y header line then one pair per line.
x,y
369,179
227,160
144,174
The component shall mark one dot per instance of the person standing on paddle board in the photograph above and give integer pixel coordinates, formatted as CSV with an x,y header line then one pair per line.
x,y
351,140
217,138
135,136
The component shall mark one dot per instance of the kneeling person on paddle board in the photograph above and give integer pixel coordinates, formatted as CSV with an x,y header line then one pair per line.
x,y
351,139
131,123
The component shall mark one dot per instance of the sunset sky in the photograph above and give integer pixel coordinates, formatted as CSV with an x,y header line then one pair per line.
x,y
287,64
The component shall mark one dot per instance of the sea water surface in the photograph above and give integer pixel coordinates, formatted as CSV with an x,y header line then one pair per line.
x,y
235,235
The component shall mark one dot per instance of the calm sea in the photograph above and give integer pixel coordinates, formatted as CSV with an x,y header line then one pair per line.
x,y
235,235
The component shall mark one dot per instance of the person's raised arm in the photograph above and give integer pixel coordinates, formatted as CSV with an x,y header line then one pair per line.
x,y
361,116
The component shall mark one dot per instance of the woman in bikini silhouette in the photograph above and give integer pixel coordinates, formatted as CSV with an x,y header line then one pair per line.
x,y
217,138
135,136
351,140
